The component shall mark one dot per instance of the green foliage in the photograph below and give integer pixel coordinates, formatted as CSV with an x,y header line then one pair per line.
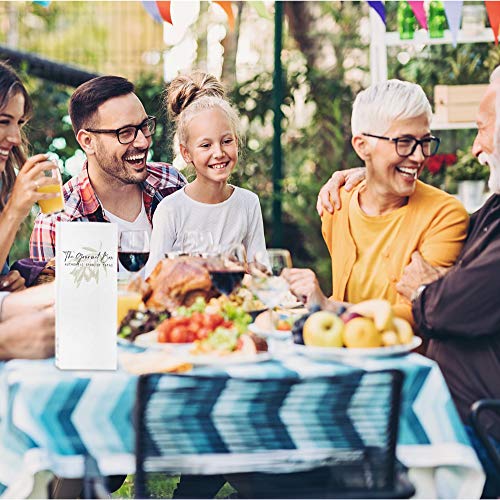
x,y
468,168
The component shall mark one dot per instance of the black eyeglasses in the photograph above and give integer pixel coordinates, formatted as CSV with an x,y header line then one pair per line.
x,y
406,146
126,135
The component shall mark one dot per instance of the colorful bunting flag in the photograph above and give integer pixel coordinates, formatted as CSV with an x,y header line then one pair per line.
x,y
226,5
164,10
493,9
417,6
453,11
379,8
152,10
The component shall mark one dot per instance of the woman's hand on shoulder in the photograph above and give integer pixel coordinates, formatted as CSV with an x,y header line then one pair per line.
x,y
329,195
25,191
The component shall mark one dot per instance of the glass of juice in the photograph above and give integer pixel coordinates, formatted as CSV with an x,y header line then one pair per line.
x,y
127,300
56,204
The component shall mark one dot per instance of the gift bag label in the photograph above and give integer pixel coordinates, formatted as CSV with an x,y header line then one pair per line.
x,y
86,294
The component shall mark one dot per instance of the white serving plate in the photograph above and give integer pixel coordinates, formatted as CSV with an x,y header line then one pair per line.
x,y
344,353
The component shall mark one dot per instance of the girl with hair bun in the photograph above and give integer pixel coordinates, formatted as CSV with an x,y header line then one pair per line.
x,y
208,135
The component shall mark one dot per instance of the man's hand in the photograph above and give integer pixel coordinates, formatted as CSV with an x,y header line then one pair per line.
x,y
304,285
11,282
28,336
418,272
330,192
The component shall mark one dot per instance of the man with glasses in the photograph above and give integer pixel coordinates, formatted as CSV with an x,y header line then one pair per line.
x,y
116,183
391,214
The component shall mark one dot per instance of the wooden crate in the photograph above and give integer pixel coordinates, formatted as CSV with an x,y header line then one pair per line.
x,y
457,103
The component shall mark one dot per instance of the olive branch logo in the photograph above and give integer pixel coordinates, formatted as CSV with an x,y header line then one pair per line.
x,y
87,264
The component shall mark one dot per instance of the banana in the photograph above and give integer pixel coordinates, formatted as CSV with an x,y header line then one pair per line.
x,y
404,330
390,338
377,309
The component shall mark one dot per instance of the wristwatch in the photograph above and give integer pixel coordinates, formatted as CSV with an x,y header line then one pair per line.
x,y
418,292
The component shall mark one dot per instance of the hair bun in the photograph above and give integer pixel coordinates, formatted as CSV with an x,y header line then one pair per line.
x,y
185,89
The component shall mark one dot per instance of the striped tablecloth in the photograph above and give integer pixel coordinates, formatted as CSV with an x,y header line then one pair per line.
x,y
50,419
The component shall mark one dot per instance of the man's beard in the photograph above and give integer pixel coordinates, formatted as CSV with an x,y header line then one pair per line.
x,y
116,167
493,162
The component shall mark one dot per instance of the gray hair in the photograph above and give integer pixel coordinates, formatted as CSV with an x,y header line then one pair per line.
x,y
376,108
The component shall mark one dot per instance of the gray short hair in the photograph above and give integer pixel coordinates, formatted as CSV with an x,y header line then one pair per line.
x,y
377,107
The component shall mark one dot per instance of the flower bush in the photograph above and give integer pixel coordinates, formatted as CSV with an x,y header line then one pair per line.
x,y
434,172
468,168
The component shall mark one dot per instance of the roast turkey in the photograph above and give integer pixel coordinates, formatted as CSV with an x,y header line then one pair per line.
x,y
179,281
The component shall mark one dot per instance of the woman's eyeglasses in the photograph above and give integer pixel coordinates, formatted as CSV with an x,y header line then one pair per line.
x,y
406,146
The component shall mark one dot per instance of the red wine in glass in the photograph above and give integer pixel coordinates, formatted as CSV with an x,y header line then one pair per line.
x,y
227,280
133,261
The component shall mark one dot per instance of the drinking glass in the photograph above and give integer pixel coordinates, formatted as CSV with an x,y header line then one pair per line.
x,y
56,204
197,243
126,300
228,269
279,259
133,250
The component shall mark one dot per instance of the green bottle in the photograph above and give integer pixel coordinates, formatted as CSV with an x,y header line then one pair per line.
x,y
406,21
437,19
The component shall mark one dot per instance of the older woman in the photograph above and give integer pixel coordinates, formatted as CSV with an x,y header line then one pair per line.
x,y
17,194
391,214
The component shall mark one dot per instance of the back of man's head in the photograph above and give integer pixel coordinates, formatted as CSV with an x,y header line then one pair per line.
x,y
87,98
377,107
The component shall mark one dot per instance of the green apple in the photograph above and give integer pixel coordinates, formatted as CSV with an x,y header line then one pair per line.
x,y
323,329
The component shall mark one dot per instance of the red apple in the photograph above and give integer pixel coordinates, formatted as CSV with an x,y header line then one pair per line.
x,y
347,316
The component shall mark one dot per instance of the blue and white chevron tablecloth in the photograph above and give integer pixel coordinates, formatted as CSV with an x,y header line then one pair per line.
x,y
50,419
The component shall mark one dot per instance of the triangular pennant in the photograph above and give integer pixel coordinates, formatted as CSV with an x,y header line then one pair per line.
x,y
226,5
164,10
378,7
152,10
493,9
453,11
417,6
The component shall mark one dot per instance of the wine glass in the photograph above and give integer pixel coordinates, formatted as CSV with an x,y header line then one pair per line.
x,y
197,243
228,269
268,286
133,250
279,259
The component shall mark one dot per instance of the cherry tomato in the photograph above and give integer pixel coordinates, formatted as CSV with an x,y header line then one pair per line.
x,y
203,333
178,335
162,336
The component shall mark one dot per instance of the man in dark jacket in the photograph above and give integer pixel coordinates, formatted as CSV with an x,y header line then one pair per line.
x,y
459,310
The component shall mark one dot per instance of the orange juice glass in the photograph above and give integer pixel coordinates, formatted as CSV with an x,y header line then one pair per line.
x,y
52,205
127,300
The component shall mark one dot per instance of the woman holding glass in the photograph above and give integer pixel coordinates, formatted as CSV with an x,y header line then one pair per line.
x,y
17,194
385,219
217,214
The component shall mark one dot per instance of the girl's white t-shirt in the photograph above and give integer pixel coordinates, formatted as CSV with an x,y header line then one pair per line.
x,y
236,220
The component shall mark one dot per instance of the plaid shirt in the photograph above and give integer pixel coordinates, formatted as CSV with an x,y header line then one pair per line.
x,y
81,204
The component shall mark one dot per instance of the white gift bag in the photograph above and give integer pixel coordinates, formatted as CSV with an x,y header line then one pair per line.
x,y
86,294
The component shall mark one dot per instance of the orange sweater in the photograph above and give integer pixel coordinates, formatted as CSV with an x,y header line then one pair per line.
x,y
435,224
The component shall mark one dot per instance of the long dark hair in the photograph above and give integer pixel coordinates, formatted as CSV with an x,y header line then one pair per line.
x,y
11,85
